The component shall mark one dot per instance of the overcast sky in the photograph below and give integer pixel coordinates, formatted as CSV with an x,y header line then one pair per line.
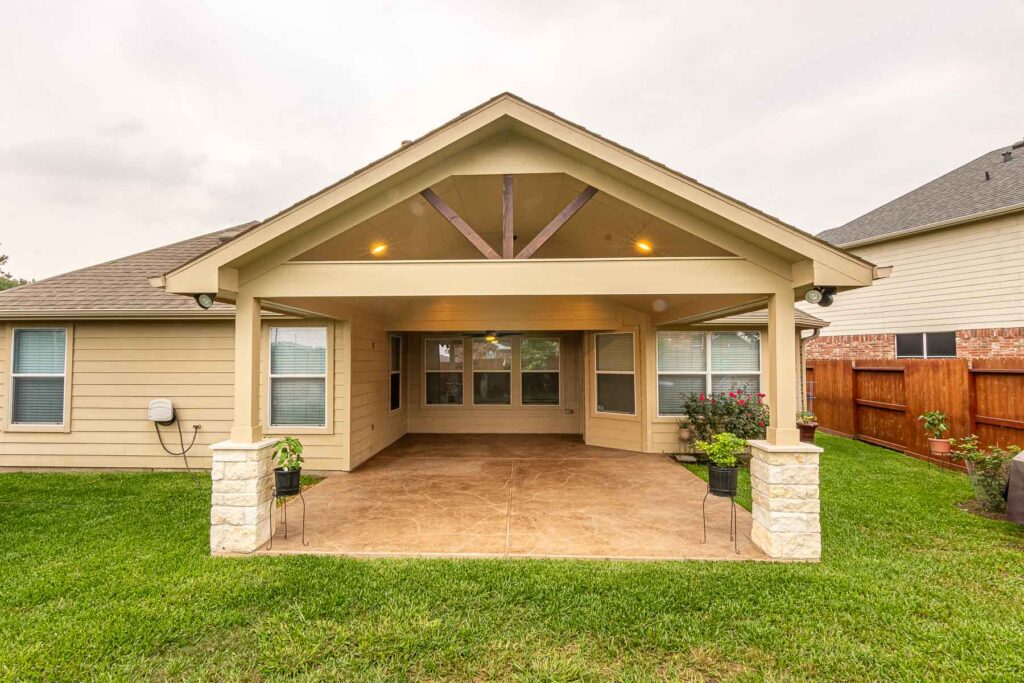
x,y
127,125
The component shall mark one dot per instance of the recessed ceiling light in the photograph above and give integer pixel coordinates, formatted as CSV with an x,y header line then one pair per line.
x,y
378,249
644,246
491,337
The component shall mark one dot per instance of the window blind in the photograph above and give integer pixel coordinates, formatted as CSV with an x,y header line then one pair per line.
x,y
615,352
735,352
38,376
298,350
298,376
39,352
298,401
673,389
681,352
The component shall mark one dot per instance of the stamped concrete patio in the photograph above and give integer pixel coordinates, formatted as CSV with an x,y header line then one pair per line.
x,y
513,496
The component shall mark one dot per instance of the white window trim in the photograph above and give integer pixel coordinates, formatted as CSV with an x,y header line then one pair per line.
x,y
461,371
328,426
924,345
632,372
392,372
65,425
473,372
708,373
522,372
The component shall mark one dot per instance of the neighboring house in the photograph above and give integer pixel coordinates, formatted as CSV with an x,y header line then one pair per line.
x,y
507,272
956,247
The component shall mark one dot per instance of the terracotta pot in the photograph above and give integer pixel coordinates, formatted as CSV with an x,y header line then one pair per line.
x,y
939,446
807,430
685,433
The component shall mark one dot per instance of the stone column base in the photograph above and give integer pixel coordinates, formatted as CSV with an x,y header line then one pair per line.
x,y
786,510
242,476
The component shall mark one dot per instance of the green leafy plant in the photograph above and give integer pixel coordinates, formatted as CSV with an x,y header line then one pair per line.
x,y
805,417
934,423
723,449
288,454
988,469
737,411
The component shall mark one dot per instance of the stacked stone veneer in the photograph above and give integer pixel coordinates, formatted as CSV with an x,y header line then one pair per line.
x,y
1004,342
786,509
243,485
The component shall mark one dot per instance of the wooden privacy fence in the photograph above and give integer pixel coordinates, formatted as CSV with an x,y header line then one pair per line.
x,y
879,401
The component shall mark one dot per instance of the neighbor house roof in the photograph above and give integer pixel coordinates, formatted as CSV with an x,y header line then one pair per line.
x,y
993,181
121,288
118,286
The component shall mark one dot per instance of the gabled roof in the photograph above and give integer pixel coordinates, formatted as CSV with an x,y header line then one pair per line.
x,y
118,286
987,184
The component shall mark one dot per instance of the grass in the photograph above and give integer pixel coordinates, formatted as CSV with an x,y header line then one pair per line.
x,y
108,576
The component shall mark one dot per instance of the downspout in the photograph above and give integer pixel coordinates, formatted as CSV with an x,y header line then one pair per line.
x,y
815,333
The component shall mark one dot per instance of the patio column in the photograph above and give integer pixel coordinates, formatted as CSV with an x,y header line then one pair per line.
x,y
242,473
783,471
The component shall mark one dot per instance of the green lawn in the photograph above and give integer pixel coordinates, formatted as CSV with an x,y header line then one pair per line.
x,y
109,576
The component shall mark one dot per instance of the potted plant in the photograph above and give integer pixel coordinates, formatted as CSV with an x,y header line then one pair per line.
x,y
807,424
935,426
288,457
685,429
988,470
723,451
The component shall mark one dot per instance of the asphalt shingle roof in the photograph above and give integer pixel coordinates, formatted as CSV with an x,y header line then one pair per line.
x,y
960,193
121,285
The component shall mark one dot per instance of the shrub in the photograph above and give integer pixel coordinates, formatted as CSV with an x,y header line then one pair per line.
x,y
723,449
989,470
741,413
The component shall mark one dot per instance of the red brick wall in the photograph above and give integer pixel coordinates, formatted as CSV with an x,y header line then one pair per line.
x,y
996,343
852,346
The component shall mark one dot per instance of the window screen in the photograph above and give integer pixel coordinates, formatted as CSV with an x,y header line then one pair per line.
x,y
37,376
492,372
395,385
941,344
910,345
539,361
615,381
443,363
298,376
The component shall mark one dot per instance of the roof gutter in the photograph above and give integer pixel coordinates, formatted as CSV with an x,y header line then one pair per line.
x,y
981,215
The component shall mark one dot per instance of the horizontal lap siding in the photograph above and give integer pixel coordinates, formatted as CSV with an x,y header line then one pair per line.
x,y
117,368
374,426
961,278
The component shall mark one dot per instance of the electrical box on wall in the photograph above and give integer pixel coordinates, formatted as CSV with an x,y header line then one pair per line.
x,y
161,411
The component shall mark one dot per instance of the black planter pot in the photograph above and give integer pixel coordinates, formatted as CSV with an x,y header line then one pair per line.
x,y
286,483
722,480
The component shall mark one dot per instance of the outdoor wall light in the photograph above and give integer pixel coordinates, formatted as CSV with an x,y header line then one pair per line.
x,y
644,246
823,296
204,300
378,249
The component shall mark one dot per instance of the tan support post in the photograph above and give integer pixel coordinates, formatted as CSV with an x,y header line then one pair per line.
x,y
246,427
782,377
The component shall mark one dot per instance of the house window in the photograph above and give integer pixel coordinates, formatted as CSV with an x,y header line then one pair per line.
x,y
38,374
298,376
539,366
926,345
614,366
395,359
443,365
492,372
702,362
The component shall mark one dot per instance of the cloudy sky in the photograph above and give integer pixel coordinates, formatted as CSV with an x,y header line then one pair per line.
x,y
126,125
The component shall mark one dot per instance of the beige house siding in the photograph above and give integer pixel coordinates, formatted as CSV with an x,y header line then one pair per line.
x,y
117,368
967,277
374,426
514,418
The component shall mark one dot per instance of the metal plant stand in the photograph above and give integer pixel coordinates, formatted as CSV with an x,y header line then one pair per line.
x,y
733,536
284,515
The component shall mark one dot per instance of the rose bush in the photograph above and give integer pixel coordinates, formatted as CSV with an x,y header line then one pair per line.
x,y
738,412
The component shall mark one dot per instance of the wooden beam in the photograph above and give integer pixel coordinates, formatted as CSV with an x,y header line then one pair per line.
x,y
514,277
506,218
557,222
462,226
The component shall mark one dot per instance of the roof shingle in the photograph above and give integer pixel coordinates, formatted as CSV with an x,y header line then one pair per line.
x,y
986,184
